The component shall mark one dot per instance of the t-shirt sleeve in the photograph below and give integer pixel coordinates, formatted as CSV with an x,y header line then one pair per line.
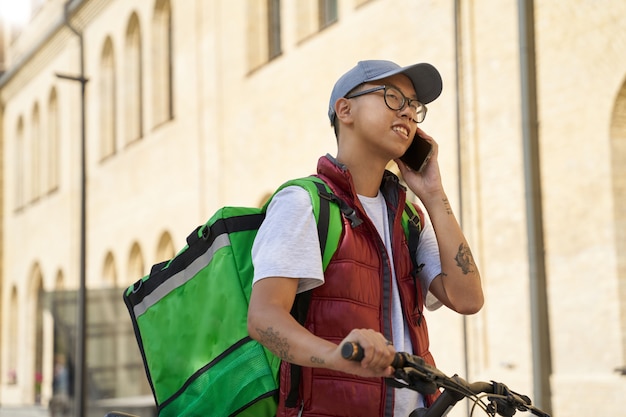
x,y
287,243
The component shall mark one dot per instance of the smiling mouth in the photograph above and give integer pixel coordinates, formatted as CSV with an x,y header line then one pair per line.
x,y
401,129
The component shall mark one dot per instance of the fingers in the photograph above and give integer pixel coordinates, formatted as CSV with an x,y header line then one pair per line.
x,y
402,166
429,139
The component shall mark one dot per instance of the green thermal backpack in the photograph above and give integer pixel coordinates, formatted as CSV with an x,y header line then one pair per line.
x,y
190,313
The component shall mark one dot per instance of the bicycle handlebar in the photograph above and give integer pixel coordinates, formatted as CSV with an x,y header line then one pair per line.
x,y
354,352
419,376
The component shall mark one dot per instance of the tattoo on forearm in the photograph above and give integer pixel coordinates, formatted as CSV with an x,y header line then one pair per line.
x,y
446,205
315,359
464,259
271,339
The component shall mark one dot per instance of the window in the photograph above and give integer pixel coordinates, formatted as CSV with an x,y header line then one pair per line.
x,y
13,340
163,109
109,273
20,165
327,12
165,248
135,265
35,310
133,88
59,281
315,15
35,156
264,32
273,32
108,145
52,153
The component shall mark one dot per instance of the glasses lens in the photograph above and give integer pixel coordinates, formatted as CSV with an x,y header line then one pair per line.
x,y
420,111
394,98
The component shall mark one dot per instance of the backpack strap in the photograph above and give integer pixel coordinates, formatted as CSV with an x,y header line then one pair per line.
x,y
412,224
327,216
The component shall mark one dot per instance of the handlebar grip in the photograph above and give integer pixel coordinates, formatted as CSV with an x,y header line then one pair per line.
x,y
353,351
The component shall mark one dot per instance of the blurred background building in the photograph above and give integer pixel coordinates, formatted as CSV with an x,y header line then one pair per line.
x,y
190,105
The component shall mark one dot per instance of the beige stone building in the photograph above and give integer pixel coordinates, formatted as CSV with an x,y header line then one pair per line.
x,y
195,104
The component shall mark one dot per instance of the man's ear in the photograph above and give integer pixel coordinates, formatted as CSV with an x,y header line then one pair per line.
x,y
343,108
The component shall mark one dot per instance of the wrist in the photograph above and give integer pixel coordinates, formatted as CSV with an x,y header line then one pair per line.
x,y
433,198
325,356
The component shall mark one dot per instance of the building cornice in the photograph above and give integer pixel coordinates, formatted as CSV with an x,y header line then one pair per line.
x,y
48,45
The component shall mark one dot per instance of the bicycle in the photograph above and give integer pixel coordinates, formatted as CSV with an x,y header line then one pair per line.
x,y
412,372
415,374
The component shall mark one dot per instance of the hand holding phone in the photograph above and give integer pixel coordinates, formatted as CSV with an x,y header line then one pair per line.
x,y
418,153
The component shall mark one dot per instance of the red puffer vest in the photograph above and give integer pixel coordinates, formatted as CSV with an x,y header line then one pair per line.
x,y
357,294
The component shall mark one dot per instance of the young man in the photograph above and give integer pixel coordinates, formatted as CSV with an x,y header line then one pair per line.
x,y
367,293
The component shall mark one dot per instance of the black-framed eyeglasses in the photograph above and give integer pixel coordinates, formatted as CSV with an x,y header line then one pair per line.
x,y
395,100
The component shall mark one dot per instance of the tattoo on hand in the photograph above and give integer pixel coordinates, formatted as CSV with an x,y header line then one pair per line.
x,y
272,340
315,359
464,259
446,205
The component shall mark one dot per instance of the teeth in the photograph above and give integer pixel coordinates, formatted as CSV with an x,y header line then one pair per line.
x,y
401,130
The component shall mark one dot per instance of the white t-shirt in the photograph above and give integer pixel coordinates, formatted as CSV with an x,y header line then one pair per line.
x,y
287,245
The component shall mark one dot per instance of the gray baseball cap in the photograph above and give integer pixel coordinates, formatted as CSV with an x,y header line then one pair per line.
x,y
425,78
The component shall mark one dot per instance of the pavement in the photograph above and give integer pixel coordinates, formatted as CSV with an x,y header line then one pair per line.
x,y
139,406
24,411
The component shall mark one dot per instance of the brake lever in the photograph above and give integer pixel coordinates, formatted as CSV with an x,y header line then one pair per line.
x,y
414,380
417,374
508,401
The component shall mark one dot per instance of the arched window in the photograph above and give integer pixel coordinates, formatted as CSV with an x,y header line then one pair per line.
x,y
35,155
162,93
61,344
135,264
618,171
165,248
59,281
52,154
13,340
35,330
20,165
109,272
130,371
132,83
107,101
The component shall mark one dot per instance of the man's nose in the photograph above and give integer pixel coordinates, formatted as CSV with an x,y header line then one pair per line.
x,y
407,111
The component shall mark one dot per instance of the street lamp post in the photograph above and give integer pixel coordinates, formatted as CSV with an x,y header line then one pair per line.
x,y
80,385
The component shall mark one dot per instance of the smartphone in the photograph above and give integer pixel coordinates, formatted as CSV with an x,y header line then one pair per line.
x,y
418,153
